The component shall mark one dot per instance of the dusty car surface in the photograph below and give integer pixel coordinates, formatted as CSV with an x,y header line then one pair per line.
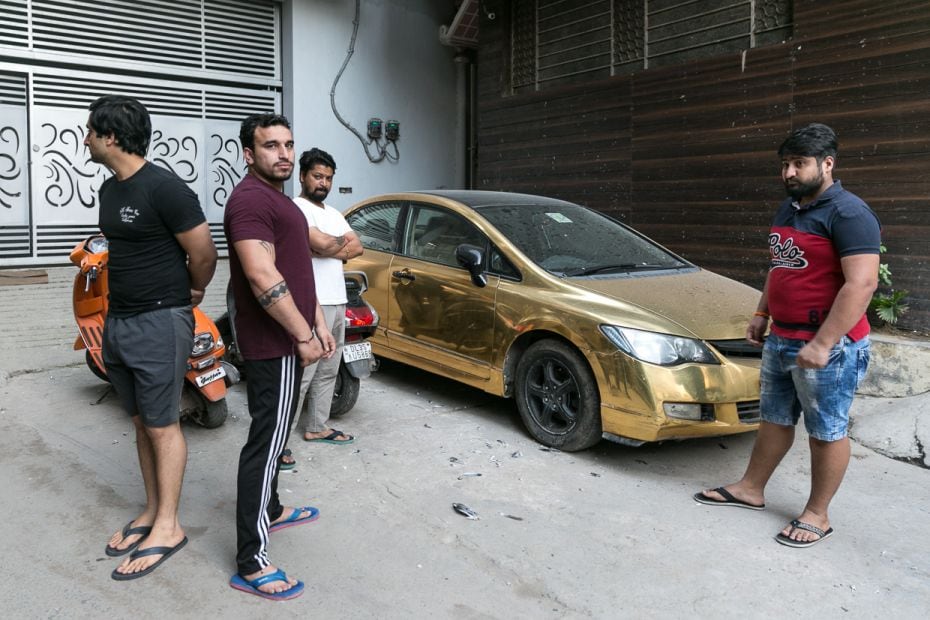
x,y
595,330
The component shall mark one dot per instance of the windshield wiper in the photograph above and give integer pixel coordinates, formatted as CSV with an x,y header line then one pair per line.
x,y
587,271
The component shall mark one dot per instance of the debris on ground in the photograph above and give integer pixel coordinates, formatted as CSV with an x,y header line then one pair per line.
x,y
465,511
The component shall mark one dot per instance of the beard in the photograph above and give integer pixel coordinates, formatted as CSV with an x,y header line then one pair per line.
x,y
798,189
277,173
318,195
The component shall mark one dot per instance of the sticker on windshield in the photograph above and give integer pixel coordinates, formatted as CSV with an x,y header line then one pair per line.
x,y
559,217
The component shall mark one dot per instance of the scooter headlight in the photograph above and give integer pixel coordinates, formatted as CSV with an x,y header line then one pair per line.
x,y
203,344
97,245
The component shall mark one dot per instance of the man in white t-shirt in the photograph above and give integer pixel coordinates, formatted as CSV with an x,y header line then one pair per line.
x,y
333,243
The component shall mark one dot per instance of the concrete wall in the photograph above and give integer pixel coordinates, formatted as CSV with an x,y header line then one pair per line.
x,y
399,70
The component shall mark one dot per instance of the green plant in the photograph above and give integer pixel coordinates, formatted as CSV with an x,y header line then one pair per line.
x,y
884,272
887,304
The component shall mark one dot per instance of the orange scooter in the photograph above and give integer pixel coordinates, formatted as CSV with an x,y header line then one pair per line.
x,y
203,399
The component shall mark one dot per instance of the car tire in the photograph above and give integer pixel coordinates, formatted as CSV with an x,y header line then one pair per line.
x,y
557,397
345,394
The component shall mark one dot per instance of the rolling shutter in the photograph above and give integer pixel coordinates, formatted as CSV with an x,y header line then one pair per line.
x,y
199,66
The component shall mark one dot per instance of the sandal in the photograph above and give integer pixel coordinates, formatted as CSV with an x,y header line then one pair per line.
x,y
284,464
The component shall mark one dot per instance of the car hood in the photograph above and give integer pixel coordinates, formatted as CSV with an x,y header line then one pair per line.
x,y
707,305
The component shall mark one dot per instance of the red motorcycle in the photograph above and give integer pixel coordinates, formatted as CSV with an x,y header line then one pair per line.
x,y
203,399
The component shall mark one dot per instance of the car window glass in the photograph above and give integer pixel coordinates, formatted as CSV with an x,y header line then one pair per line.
x,y
571,240
375,225
499,265
434,233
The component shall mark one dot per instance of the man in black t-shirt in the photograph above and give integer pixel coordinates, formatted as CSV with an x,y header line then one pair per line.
x,y
161,259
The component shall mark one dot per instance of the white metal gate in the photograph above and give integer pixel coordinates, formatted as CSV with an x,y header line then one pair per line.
x,y
199,66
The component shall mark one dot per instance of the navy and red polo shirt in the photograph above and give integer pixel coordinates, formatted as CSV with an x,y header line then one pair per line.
x,y
806,244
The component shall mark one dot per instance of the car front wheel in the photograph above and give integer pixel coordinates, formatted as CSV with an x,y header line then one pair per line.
x,y
557,397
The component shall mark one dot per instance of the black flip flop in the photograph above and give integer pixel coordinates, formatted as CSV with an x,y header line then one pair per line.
x,y
728,500
285,465
801,544
128,531
165,552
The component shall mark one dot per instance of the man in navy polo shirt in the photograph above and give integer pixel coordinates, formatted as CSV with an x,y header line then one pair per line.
x,y
824,245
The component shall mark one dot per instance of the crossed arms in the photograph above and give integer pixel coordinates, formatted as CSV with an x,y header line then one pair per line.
x,y
343,246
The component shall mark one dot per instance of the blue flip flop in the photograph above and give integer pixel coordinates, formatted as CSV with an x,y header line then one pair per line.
x,y
128,530
165,552
238,582
294,519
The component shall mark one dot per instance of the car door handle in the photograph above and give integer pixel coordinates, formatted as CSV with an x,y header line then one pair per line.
x,y
404,275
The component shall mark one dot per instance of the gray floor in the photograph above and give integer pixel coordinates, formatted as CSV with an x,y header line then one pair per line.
x,y
608,533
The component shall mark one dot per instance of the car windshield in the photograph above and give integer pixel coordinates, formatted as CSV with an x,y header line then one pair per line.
x,y
571,240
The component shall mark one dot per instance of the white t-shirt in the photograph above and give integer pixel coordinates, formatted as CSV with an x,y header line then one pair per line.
x,y
330,283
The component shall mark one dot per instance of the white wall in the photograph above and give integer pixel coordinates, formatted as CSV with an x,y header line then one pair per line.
x,y
399,70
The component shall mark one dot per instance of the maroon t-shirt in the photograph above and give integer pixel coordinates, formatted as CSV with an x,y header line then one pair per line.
x,y
255,210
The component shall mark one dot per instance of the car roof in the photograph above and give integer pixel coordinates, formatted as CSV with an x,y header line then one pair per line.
x,y
476,199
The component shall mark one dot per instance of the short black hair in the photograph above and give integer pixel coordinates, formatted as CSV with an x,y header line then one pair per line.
x,y
814,140
254,121
126,119
313,157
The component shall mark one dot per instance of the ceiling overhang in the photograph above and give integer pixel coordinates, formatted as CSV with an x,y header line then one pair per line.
x,y
463,31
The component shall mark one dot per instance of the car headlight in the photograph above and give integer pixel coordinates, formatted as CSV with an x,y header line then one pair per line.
x,y
203,344
661,349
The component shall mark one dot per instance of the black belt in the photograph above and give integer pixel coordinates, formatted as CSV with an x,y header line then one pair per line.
x,y
807,327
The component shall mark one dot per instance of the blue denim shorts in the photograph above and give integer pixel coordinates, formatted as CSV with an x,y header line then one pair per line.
x,y
823,394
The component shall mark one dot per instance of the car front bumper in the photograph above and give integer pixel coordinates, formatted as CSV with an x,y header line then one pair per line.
x,y
634,395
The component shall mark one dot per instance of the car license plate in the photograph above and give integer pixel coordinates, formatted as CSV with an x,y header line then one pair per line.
x,y
209,377
356,351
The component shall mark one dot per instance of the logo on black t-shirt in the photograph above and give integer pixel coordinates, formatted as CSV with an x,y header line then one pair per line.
x,y
128,214
786,254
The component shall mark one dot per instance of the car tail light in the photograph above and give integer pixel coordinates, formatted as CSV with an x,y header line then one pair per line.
x,y
360,316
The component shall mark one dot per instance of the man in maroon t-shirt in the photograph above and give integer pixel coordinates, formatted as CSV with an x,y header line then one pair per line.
x,y
279,330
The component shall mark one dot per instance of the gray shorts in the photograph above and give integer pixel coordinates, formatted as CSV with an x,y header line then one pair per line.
x,y
146,357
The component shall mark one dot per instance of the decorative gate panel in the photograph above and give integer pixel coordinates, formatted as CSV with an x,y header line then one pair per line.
x,y
48,185
14,177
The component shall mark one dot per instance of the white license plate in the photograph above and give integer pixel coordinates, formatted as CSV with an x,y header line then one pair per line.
x,y
209,377
356,351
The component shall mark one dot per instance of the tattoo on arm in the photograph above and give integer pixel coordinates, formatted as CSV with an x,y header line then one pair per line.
x,y
268,247
341,240
272,295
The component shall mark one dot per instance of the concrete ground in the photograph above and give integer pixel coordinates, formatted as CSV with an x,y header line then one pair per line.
x,y
608,533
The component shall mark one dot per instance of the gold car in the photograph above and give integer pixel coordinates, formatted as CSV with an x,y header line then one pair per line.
x,y
593,329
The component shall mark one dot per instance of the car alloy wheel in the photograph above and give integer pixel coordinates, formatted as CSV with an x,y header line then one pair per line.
x,y
557,396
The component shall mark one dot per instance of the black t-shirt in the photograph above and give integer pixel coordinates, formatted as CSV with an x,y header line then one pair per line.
x,y
140,218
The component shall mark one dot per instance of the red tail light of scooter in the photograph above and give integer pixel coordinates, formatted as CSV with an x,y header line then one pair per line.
x,y
361,316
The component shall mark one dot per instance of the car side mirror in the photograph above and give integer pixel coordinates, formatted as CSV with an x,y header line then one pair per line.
x,y
471,258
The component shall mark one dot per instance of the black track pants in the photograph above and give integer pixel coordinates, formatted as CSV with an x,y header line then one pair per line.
x,y
272,390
